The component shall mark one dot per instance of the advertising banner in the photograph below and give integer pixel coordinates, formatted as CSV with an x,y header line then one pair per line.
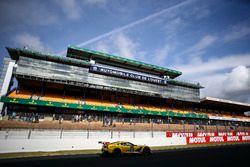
x,y
125,74
217,139
205,134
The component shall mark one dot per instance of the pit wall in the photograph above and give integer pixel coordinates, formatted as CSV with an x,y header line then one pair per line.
x,y
56,140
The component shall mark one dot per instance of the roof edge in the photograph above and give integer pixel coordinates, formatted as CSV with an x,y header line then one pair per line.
x,y
225,101
173,72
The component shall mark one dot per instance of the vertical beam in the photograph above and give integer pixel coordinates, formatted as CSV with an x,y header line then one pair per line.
x,y
6,85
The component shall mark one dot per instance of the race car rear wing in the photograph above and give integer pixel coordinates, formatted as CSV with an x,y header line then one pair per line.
x,y
103,142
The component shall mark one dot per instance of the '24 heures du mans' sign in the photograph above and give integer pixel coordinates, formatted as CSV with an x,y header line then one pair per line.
x,y
119,73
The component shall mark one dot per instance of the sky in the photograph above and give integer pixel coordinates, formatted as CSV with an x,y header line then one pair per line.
x,y
209,41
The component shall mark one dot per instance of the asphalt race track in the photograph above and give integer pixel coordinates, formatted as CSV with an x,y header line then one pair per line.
x,y
215,156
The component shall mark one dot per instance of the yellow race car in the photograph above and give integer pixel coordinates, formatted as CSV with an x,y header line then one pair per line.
x,y
123,147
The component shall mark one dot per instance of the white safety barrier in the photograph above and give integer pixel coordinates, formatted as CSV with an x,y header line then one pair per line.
x,y
56,140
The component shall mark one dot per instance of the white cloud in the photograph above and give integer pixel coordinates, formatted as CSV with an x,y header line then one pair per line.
x,y
96,2
162,53
102,46
30,41
125,46
137,22
227,77
214,65
237,32
199,12
70,8
120,45
205,42
16,13
198,48
173,25
237,82
233,85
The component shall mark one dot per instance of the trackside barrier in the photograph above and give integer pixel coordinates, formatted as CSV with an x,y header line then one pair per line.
x,y
210,137
204,134
217,139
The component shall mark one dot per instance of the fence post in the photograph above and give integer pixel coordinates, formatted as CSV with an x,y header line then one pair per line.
x,y
29,134
7,134
216,127
88,130
152,133
134,131
61,133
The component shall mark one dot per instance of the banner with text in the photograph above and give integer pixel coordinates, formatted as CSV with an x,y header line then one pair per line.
x,y
205,134
125,74
217,139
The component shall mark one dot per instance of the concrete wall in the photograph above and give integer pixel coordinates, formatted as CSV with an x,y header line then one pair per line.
x,y
17,141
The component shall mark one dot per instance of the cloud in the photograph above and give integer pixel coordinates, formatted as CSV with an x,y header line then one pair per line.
x,y
162,53
96,2
172,26
199,12
237,32
16,13
30,41
214,65
125,46
205,42
237,83
70,8
121,45
102,46
134,23
227,77
194,52
232,85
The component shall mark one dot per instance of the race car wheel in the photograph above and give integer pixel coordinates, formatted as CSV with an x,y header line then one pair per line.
x,y
117,152
146,151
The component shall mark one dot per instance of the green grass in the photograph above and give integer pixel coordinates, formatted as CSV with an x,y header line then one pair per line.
x,y
79,152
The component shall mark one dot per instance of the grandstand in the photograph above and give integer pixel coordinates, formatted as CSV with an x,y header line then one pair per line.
x,y
94,90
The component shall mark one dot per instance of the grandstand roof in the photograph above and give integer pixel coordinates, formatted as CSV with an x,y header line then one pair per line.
x,y
83,53
216,103
16,52
185,83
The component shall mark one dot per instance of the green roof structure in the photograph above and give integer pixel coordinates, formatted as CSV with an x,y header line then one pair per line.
x,y
16,52
185,83
86,54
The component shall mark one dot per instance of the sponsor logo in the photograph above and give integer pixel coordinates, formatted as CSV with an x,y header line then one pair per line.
x,y
197,140
242,133
245,138
233,138
125,74
182,135
216,139
202,134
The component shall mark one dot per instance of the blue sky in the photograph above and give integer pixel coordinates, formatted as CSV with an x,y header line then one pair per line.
x,y
209,41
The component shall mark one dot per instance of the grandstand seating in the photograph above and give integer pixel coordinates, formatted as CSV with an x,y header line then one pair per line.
x,y
26,94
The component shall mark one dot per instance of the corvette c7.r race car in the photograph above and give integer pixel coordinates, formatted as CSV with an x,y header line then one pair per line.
x,y
122,147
